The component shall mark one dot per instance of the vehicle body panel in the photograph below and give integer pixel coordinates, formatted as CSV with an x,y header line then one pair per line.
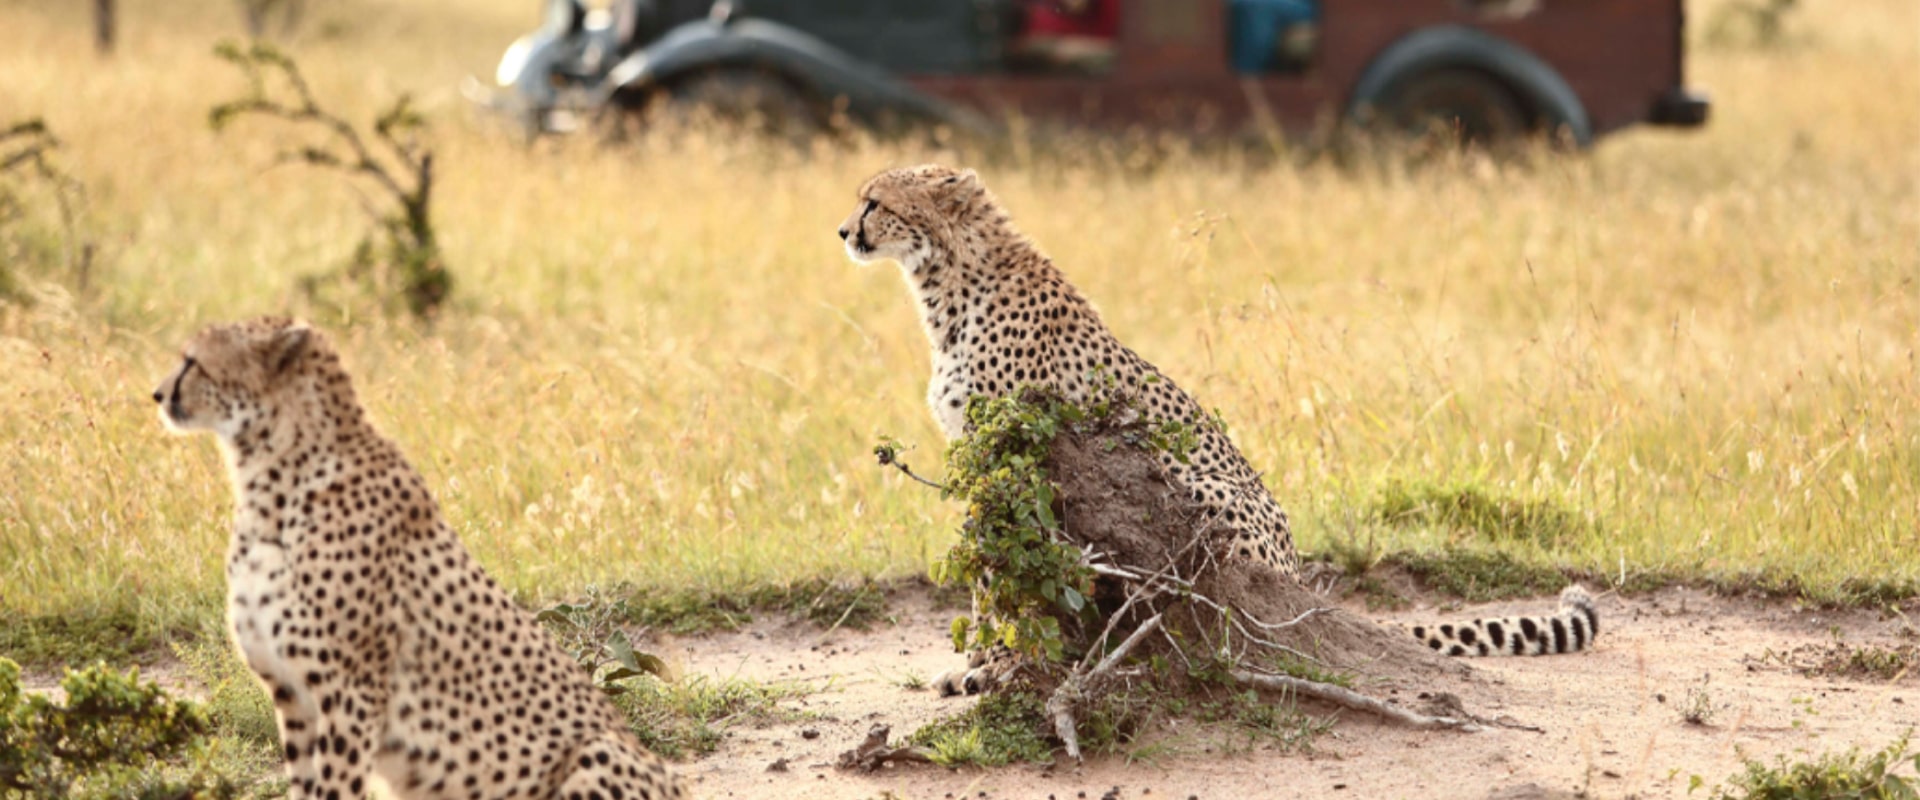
x,y
1583,68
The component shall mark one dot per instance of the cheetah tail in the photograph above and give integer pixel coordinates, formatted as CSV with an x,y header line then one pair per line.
x,y
1570,629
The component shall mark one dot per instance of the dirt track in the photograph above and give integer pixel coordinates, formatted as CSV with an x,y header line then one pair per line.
x,y
1610,719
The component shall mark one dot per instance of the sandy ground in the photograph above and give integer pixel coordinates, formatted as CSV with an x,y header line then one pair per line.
x,y
1610,720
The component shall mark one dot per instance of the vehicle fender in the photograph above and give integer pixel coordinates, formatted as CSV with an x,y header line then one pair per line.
x,y
1538,85
809,63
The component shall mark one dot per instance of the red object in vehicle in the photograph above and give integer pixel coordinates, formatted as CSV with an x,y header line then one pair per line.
x,y
1101,19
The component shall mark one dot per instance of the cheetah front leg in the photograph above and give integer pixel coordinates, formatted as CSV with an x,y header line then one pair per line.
x,y
299,725
330,754
985,669
609,766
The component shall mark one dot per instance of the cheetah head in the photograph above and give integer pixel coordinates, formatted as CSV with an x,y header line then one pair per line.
x,y
903,214
230,374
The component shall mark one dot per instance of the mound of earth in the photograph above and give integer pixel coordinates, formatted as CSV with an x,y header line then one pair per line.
x,y
1113,495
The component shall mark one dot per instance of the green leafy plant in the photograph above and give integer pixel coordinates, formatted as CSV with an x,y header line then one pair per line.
x,y
408,260
589,630
1000,729
111,735
1010,549
1835,776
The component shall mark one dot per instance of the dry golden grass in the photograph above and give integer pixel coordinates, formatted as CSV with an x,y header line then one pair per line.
x,y
659,366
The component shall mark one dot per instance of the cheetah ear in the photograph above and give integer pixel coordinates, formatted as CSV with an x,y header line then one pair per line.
x,y
960,191
286,347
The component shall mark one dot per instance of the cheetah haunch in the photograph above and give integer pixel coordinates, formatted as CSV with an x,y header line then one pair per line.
x,y
999,316
388,651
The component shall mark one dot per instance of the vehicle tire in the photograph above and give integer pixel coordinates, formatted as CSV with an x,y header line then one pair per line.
x,y
1480,108
750,100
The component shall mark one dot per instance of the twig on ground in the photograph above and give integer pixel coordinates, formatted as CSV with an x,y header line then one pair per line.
x,y
1352,699
873,751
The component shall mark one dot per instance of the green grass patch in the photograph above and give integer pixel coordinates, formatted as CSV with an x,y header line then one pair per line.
x,y
1852,775
1002,728
236,703
688,718
827,603
115,636
1479,575
1473,509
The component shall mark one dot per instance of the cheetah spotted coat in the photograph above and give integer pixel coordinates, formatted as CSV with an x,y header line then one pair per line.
x,y
1000,315
387,650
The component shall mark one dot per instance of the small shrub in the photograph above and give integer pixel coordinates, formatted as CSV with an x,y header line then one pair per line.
x,y
1025,578
589,630
1697,707
408,260
26,160
1002,728
112,736
1839,776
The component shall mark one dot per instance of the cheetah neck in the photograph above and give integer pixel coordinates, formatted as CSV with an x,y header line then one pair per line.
x,y
290,437
952,282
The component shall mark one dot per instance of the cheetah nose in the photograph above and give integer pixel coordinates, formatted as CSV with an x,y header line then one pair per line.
x,y
843,234
156,396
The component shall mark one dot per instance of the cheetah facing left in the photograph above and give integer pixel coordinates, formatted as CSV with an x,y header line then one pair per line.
x,y
387,649
1000,316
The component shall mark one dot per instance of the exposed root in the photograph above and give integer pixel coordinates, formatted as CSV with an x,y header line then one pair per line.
x,y
1349,698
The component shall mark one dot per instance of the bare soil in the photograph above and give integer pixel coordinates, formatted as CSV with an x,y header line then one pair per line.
x,y
1610,720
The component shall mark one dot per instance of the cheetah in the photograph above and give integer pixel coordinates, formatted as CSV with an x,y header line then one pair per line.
x,y
1000,315
388,651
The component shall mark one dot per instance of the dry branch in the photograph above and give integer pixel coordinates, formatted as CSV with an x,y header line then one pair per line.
x,y
1342,696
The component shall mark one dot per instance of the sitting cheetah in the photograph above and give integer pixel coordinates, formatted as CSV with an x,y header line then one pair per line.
x,y
1000,315
387,649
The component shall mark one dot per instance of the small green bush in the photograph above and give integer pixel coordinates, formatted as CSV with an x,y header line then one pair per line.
x,y
1835,776
111,736
1002,728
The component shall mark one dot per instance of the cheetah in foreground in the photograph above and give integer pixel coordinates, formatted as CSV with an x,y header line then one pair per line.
x,y
388,651
1000,315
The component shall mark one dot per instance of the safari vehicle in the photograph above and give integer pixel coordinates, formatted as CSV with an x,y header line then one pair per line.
x,y
1493,68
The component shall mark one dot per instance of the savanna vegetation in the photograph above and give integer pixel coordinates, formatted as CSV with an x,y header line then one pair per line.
x,y
1678,357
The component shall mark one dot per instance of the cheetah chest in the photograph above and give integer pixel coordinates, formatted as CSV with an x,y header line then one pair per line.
x,y
260,594
948,390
